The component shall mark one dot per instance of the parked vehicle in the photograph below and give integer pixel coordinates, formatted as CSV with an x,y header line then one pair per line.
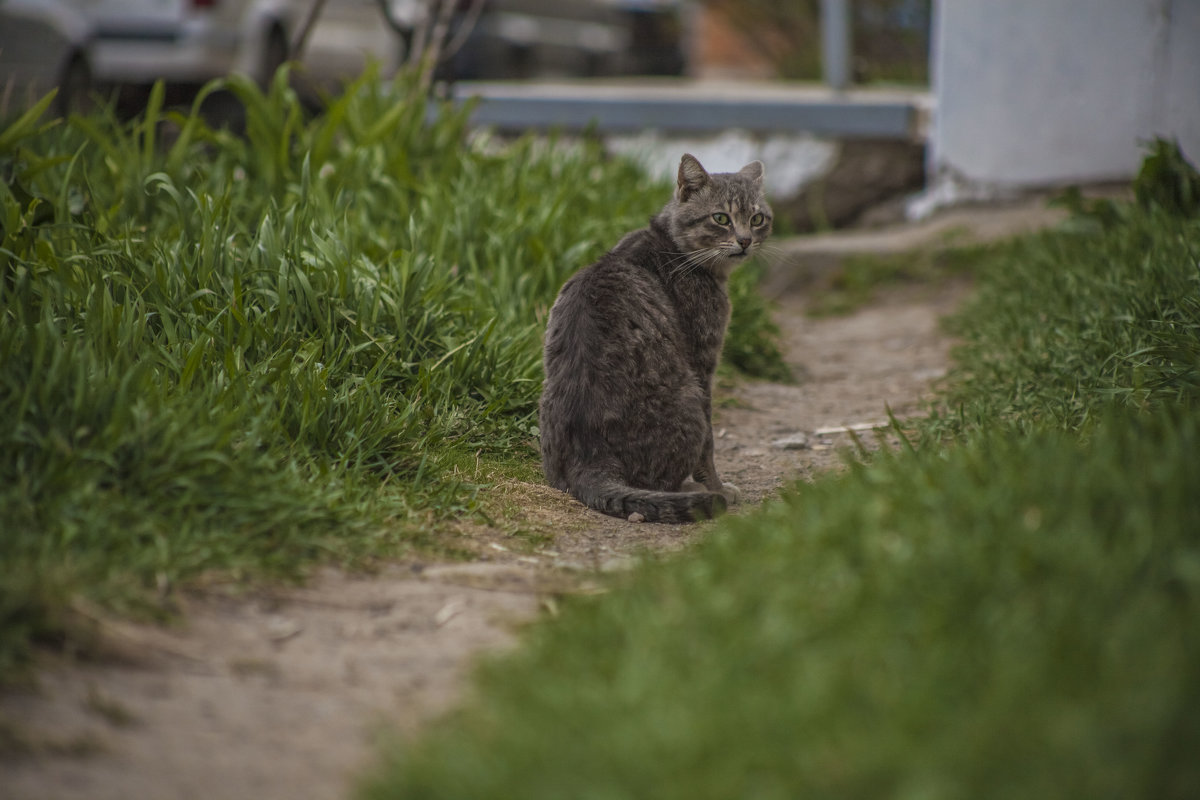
x,y
550,38
350,33
138,42
190,41
43,44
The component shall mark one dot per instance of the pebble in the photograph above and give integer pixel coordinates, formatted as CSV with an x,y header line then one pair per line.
x,y
794,441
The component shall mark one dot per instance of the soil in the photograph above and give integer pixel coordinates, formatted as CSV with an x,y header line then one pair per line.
x,y
283,693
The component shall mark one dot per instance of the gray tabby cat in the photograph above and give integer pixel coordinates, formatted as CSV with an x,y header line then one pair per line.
x,y
631,345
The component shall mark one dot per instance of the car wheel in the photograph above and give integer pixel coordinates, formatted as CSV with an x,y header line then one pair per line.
x,y
275,54
75,86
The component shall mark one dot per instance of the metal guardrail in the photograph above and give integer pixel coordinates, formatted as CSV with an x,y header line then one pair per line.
x,y
831,109
695,107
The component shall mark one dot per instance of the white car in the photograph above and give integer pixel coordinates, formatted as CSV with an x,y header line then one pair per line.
x,y
194,41
351,33
190,41
43,44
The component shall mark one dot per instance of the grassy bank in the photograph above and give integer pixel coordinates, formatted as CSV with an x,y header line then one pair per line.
x,y
1014,619
242,353
1005,610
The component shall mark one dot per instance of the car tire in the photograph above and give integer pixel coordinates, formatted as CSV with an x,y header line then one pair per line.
x,y
275,53
75,86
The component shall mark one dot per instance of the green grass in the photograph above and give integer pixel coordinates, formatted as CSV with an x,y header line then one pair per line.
x,y
752,344
1071,323
1004,609
245,353
1013,619
859,278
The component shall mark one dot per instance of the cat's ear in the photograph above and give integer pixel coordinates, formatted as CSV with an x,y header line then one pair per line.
x,y
692,177
753,170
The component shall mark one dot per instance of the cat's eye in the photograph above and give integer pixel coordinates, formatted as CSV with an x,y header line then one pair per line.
x,y
757,220
721,218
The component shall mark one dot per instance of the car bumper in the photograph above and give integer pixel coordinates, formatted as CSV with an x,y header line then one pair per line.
x,y
144,54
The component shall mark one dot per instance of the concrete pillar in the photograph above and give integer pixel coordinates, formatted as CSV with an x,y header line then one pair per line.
x,y
836,43
1046,92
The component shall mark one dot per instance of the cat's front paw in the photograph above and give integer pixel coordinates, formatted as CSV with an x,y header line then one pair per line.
x,y
731,493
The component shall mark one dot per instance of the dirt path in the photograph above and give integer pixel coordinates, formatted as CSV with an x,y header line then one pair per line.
x,y
280,695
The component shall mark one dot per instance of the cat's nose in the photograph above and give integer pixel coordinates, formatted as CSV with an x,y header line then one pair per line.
x,y
744,241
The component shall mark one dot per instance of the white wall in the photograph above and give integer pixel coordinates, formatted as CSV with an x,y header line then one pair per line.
x,y
1044,92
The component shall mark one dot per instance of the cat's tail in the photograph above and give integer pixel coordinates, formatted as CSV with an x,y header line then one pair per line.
x,y
618,500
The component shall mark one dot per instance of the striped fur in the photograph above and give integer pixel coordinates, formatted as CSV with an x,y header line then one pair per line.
x,y
631,346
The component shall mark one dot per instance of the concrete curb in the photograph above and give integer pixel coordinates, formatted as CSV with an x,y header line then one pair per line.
x,y
802,260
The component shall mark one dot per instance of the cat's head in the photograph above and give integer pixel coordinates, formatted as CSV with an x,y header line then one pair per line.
x,y
718,220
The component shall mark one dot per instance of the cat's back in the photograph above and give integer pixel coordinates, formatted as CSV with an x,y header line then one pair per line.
x,y
615,374
610,310
623,270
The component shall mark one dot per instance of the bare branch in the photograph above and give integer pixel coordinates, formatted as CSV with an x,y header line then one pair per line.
x,y
437,38
430,39
464,29
385,8
297,44
420,38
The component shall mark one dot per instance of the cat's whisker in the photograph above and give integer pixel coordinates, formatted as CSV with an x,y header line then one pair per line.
x,y
683,264
704,258
679,261
771,253
689,262
682,257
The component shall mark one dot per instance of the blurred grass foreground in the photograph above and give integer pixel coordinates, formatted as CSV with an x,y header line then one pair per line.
x,y
237,354
1009,607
